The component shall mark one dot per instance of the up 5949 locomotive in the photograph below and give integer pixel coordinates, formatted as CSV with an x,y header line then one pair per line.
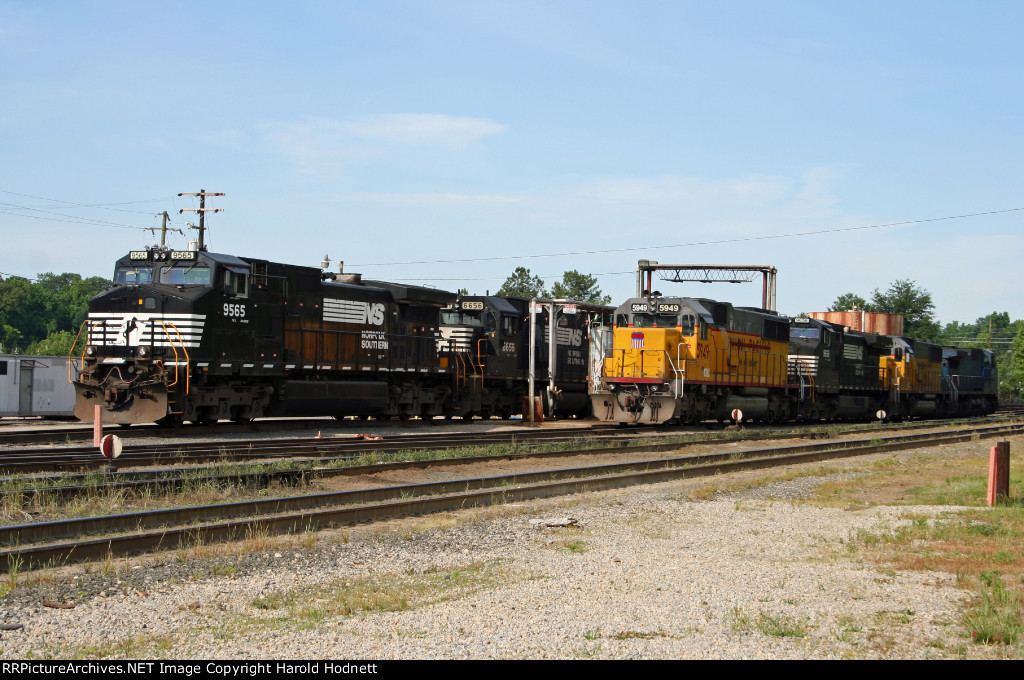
x,y
199,336
691,359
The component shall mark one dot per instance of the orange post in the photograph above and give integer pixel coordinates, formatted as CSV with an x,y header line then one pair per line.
x,y
998,472
97,424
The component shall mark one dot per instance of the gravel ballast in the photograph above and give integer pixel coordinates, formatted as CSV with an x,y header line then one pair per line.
x,y
645,573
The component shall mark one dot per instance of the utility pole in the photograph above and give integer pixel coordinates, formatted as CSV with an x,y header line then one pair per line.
x,y
202,194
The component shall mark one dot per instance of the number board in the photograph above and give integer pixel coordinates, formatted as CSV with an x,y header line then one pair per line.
x,y
139,255
638,307
183,255
472,306
668,308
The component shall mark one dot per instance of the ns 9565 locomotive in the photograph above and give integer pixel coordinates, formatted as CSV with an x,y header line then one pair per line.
x,y
199,336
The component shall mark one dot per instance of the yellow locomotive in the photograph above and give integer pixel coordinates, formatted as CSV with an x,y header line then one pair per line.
x,y
691,359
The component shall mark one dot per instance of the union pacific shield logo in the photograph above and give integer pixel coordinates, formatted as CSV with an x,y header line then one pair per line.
x,y
638,340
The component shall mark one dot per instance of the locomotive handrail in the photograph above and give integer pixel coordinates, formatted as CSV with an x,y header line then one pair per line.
x,y
71,351
184,349
804,372
478,368
680,372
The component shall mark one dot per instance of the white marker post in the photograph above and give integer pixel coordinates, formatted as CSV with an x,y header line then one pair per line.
x,y
111,446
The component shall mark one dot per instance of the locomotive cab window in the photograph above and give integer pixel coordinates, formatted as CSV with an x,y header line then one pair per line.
x,y
508,325
185,276
236,283
687,324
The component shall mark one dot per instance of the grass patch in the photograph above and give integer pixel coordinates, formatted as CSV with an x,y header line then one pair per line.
x,y
780,625
996,614
981,545
310,607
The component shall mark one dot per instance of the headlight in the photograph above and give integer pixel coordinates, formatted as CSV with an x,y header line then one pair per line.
x,y
90,351
143,352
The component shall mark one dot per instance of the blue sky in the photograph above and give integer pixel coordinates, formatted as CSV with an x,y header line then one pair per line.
x,y
443,132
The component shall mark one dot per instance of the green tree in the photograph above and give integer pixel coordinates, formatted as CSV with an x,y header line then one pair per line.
x,y
11,339
577,286
914,303
522,284
57,344
1012,375
848,302
23,309
29,312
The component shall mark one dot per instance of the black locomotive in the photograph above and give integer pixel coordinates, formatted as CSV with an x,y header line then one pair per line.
x,y
199,336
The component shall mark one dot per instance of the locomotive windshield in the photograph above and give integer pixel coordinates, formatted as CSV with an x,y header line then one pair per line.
x,y
130,275
811,333
188,276
453,318
655,321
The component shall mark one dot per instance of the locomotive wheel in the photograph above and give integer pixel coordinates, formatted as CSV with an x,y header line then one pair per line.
x,y
170,420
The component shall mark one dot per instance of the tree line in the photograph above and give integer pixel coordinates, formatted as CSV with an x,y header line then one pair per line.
x,y
43,316
573,286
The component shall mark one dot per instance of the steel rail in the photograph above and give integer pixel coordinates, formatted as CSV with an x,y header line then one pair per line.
x,y
171,480
151,531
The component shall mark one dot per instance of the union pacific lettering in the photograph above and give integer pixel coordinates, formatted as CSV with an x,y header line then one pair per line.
x,y
750,345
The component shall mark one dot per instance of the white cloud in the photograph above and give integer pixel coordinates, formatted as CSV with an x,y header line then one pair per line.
x,y
427,198
424,128
313,143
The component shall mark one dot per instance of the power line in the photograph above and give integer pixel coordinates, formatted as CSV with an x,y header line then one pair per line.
x,y
73,204
68,218
694,243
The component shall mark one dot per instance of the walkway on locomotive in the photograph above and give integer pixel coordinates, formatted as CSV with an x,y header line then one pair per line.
x,y
689,341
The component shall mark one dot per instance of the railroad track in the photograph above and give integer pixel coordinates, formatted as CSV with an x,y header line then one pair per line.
x,y
312,458
14,434
48,544
87,457
78,458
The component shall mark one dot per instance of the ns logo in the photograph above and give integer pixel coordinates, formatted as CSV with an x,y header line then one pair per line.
x,y
373,313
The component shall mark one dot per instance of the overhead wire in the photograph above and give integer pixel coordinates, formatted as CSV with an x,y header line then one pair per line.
x,y
692,243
